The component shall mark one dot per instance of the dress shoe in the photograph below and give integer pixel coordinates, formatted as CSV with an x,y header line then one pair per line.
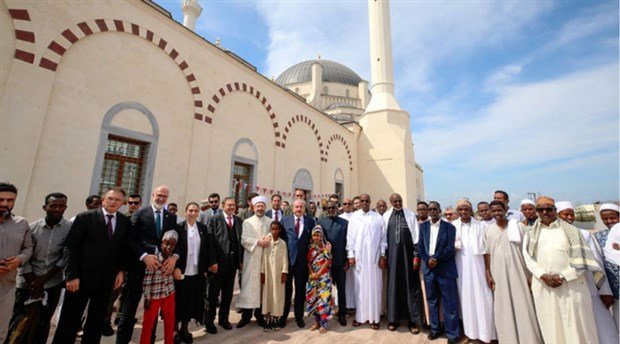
x,y
243,322
342,321
225,325
453,341
433,336
282,322
261,322
107,330
185,336
301,323
210,328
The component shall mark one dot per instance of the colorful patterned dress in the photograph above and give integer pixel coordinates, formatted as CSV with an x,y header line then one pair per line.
x,y
319,290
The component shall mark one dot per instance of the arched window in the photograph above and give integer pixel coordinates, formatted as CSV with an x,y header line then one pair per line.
x,y
303,181
126,151
244,166
339,183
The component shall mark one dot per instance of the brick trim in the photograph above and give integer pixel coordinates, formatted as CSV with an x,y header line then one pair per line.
x,y
337,137
24,35
58,46
304,119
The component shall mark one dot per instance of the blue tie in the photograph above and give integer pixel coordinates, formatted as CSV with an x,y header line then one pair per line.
x,y
158,223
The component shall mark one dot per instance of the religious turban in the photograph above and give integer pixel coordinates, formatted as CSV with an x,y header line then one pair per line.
x,y
170,235
463,201
204,201
545,200
259,199
528,201
564,205
609,206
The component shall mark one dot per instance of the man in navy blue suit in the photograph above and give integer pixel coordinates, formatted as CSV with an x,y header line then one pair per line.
x,y
335,229
297,236
436,248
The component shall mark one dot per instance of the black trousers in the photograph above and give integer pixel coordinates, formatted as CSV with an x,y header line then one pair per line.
x,y
339,277
298,275
73,308
221,287
133,294
41,329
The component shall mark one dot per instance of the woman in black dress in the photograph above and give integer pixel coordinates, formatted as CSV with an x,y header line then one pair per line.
x,y
191,270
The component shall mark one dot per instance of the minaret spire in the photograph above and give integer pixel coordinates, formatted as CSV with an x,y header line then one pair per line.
x,y
381,67
191,12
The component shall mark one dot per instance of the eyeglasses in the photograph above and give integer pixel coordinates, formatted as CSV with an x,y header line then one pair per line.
x,y
212,202
364,201
397,201
133,203
545,210
346,203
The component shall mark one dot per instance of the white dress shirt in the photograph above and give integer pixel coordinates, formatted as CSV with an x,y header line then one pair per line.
x,y
432,243
301,225
105,216
193,250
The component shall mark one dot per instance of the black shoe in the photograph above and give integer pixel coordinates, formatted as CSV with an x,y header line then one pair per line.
x,y
301,323
225,325
117,320
433,336
342,321
176,339
185,336
282,322
453,341
210,328
243,322
261,322
107,330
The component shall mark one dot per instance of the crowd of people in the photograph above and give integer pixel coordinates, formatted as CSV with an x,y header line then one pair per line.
x,y
497,274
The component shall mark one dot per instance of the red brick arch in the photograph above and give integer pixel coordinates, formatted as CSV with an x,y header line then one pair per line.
x,y
63,42
339,138
308,122
24,34
243,87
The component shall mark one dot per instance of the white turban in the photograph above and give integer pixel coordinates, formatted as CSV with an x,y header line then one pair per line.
x,y
259,199
609,206
528,201
171,234
563,205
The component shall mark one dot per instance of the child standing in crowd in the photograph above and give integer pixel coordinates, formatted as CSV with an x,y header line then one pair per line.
x,y
319,287
274,271
159,294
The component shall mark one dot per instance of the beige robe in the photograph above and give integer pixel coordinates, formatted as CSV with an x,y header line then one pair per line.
x,y
564,313
254,229
514,312
274,264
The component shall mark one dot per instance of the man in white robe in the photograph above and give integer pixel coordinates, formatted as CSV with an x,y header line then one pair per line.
x,y
475,295
253,239
366,245
558,256
601,297
350,287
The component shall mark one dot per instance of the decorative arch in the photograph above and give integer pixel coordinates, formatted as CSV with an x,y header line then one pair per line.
x,y
308,122
63,42
243,87
303,180
337,137
24,34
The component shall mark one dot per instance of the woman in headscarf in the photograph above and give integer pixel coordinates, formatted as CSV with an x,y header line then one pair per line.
x,y
319,287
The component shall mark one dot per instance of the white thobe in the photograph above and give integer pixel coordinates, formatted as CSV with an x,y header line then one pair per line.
x,y
254,228
366,242
475,295
605,325
350,285
564,313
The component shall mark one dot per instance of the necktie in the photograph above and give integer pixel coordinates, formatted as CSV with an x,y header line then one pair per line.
x,y
229,221
275,218
110,228
297,227
158,223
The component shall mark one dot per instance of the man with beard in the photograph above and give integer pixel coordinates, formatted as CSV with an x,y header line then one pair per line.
x,y
528,208
16,243
422,210
403,283
610,215
484,213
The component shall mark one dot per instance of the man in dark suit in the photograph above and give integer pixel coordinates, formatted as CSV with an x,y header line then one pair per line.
x,y
297,236
97,248
335,229
436,248
275,213
225,257
149,225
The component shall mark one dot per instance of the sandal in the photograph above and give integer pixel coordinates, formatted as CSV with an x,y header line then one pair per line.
x,y
391,327
414,330
323,330
356,324
314,327
374,326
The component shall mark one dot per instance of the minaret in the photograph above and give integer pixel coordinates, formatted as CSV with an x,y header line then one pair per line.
x,y
386,161
191,12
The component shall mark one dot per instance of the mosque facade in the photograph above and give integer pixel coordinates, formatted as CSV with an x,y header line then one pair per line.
x,y
108,93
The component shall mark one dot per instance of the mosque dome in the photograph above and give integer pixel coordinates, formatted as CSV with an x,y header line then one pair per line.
x,y
332,72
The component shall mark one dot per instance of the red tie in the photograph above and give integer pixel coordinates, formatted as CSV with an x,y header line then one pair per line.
x,y
276,217
229,221
109,224
297,227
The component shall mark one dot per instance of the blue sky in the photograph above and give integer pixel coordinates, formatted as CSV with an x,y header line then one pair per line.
x,y
517,95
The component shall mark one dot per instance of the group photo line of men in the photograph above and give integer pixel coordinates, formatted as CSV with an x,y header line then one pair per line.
x,y
483,273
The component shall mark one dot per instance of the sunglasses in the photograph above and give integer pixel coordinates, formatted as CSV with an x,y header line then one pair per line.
x,y
213,201
364,201
133,203
345,203
545,210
